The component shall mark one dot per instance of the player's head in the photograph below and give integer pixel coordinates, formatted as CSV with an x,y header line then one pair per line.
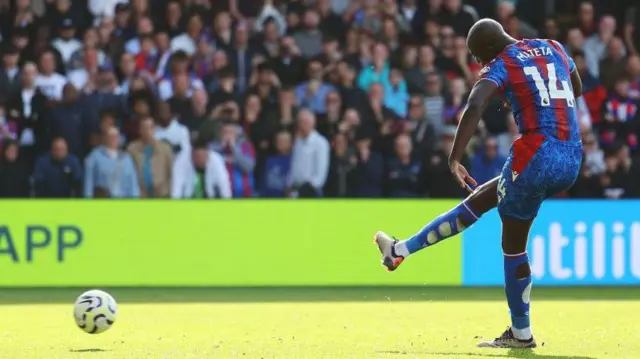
x,y
487,39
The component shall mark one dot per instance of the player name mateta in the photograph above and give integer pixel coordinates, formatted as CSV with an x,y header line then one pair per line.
x,y
538,51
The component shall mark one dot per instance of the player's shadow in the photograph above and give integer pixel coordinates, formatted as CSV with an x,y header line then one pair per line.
x,y
512,353
89,350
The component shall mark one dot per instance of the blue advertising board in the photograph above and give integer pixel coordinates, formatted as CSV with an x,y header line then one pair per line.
x,y
571,243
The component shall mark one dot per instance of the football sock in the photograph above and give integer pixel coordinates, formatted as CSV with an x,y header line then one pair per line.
x,y
517,279
446,225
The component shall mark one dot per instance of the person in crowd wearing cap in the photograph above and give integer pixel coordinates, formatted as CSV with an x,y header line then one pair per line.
x,y
58,174
124,29
27,107
66,43
199,174
49,81
10,73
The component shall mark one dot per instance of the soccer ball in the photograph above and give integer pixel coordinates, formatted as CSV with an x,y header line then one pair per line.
x,y
95,311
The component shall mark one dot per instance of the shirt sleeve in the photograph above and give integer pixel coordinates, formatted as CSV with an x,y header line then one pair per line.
x,y
560,47
496,72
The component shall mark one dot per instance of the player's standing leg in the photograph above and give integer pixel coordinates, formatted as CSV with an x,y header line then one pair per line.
x,y
517,285
444,226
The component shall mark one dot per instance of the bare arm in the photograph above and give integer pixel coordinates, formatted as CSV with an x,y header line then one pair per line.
x,y
482,91
576,83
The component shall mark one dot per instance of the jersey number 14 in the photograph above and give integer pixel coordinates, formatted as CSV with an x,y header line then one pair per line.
x,y
551,91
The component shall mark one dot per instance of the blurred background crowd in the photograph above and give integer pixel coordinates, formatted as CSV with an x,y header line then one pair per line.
x,y
288,98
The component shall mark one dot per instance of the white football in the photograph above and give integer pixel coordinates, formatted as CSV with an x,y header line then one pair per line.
x,y
95,311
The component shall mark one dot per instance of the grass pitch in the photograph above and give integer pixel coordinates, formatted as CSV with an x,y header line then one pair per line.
x,y
307,323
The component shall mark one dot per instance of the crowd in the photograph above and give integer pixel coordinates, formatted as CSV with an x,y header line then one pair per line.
x,y
289,98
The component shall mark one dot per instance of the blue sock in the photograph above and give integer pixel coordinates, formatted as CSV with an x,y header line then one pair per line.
x,y
518,292
446,225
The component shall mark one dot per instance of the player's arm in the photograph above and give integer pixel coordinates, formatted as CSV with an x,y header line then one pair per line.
x,y
480,95
576,83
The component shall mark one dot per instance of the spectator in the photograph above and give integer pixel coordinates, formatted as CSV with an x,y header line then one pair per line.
x,y
434,102
168,129
196,113
614,63
586,18
48,80
593,155
179,65
595,46
403,172
368,176
273,182
457,16
342,163
241,56
575,41
309,39
309,159
10,74
351,95
436,175
85,73
327,124
26,108
616,178
154,162
90,40
110,172
378,72
14,173
396,95
632,30
187,41
66,43
239,159
59,173
313,93
144,31
618,123
633,68
455,101
67,119
421,131
487,163
201,175
417,76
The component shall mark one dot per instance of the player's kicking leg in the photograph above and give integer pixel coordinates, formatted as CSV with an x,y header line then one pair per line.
x,y
466,213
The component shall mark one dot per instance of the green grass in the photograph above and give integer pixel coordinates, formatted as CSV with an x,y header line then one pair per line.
x,y
308,323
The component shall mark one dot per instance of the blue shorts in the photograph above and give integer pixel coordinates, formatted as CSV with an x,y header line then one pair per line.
x,y
536,169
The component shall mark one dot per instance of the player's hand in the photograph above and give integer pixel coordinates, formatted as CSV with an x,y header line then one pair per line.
x,y
462,176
